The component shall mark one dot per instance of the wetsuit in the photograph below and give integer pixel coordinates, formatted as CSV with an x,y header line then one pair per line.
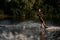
x,y
40,15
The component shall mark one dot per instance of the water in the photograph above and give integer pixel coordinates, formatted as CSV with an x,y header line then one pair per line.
x,y
27,30
5,22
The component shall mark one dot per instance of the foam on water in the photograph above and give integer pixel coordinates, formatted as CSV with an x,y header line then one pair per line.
x,y
24,31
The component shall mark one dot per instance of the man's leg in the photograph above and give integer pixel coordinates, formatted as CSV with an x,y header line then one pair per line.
x,y
44,24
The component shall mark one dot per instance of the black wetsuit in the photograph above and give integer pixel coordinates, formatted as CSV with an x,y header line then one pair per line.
x,y
40,16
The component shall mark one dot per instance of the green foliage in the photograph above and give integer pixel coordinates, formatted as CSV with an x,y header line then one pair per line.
x,y
29,8
1,12
29,3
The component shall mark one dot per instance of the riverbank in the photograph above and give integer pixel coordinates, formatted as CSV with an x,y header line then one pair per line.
x,y
3,16
32,16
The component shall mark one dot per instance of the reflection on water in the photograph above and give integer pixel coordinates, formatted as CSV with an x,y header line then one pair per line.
x,y
16,21
11,21
5,22
28,30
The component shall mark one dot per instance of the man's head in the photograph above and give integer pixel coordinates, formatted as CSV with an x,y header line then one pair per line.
x,y
39,10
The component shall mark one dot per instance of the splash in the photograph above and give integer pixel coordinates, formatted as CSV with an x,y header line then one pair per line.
x,y
25,31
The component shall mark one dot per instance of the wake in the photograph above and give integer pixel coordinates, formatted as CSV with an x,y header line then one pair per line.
x,y
26,31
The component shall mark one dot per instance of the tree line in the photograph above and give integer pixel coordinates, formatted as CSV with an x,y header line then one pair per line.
x,y
29,8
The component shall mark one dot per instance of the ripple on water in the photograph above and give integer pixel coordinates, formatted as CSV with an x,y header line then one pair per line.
x,y
24,31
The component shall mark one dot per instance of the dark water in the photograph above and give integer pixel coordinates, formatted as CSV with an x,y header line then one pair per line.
x,y
10,21
26,30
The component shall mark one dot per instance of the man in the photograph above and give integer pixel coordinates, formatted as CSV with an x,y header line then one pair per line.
x,y
43,25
